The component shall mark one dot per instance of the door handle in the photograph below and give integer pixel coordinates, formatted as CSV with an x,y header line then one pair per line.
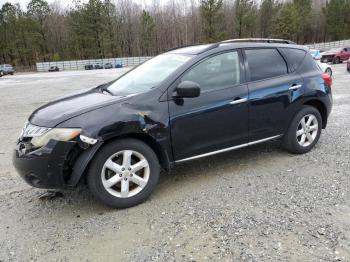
x,y
238,101
295,87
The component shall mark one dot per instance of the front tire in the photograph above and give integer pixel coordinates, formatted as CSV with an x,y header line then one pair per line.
x,y
304,131
336,60
124,173
329,71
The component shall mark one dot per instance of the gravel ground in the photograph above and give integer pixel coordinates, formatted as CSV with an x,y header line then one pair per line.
x,y
255,204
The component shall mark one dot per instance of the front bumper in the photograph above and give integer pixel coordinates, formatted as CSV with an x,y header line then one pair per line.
x,y
46,167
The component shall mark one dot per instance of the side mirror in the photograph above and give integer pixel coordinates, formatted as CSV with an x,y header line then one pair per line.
x,y
188,89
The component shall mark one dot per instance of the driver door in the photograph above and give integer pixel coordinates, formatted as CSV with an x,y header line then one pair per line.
x,y
218,118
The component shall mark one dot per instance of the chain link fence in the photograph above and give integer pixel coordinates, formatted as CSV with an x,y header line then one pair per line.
x,y
134,61
80,64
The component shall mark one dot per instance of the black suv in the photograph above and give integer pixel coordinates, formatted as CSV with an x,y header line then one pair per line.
x,y
185,104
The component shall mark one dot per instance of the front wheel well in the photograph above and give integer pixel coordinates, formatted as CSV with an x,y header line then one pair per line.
x,y
152,143
321,108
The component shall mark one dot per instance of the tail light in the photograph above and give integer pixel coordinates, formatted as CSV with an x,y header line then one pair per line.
x,y
327,79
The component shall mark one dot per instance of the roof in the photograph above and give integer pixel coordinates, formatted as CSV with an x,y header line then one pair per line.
x,y
235,43
259,40
191,50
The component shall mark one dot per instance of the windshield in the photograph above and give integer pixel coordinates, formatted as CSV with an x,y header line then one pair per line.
x,y
148,74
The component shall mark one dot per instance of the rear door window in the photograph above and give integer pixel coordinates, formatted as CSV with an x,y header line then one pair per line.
x,y
265,63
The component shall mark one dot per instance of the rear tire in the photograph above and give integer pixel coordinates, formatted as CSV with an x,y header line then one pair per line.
x,y
304,131
329,71
124,173
336,60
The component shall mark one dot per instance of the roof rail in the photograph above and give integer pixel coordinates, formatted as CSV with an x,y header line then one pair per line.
x,y
181,46
259,40
210,46
240,40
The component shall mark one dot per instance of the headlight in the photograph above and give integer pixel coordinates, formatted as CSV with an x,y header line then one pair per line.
x,y
60,134
30,130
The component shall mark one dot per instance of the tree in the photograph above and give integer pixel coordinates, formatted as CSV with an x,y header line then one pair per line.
x,y
110,28
112,24
147,32
337,19
88,25
212,19
245,18
14,44
267,13
285,24
38,10
303,23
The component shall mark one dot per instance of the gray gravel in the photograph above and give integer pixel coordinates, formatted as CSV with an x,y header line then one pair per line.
x,y
254,204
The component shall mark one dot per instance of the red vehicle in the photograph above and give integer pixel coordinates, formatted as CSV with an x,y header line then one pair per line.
x,y
348,65
336,55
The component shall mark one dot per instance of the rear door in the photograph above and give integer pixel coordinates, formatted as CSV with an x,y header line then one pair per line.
x,y
274,86
218,118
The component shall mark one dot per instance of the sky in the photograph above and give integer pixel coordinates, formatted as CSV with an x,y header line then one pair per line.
x,y
24,3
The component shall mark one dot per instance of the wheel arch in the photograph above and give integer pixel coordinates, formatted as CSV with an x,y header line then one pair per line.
x,y
321,107
86,157
151,142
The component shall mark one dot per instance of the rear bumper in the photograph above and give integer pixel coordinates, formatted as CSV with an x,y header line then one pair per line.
x,y
45,167
328,102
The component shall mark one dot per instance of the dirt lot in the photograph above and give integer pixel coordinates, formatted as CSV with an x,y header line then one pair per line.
x,y
255,204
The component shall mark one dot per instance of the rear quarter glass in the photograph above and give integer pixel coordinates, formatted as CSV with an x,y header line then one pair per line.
x,y
294,57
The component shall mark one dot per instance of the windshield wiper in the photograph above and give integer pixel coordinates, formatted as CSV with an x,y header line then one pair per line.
x,y
104,89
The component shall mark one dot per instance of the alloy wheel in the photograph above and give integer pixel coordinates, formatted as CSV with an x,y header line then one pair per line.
x,y
307,130
125,173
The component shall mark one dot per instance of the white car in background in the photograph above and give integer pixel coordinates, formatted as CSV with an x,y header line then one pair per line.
x,y
316,54
325,68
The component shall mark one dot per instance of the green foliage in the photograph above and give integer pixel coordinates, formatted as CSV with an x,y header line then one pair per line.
x,y
286,24
212,19
109,28
245,18
39,10
303,11
56,57
147,32
293,21
338,19
267,14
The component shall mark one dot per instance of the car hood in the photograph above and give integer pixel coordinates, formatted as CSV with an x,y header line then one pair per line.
x,y
58,111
